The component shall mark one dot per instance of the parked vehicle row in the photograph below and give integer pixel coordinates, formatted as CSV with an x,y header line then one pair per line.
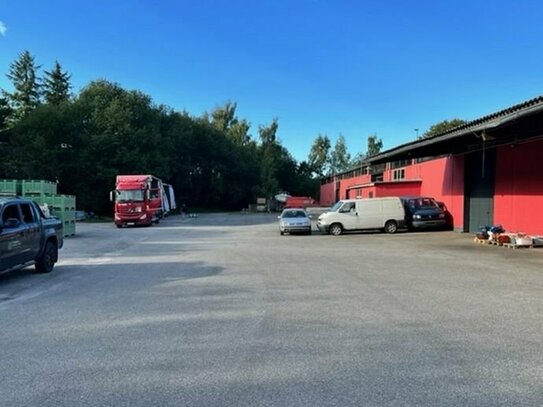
x,y
388,214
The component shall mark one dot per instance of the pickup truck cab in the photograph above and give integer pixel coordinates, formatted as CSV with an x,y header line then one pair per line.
x,y
27,237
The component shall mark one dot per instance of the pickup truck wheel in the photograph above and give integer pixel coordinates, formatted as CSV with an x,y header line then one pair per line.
x,y
391,227
336,229
48,258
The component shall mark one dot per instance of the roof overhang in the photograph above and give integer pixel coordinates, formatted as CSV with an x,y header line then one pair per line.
x,y
519,123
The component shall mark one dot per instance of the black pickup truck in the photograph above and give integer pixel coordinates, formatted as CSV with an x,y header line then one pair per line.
x,y
26,236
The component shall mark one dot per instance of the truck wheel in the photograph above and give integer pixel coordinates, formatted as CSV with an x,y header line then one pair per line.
x,y
336,229
391,226
47,259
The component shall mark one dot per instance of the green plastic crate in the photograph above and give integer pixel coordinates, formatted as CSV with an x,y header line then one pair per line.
x,y
38,187
10,186
68,228
64,202
64,215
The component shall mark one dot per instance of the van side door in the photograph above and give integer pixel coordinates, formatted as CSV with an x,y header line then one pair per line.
x,y
370,214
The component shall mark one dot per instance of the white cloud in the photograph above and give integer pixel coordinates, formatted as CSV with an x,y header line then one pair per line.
x,y
3,29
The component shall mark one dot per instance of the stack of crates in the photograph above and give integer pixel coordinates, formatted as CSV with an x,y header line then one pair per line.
x,y
10,186
45,192
41,188
63,206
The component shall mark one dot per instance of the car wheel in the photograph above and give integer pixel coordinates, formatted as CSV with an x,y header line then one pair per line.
x,y
119,226
391,226
47,259
309,231
336,229
281,232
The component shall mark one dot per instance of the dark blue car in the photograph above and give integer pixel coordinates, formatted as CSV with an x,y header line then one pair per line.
x,y
422,212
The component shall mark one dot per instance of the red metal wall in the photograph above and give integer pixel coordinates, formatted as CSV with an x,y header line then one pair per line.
x,y
328,194
401,188
350,185
443,179
518,194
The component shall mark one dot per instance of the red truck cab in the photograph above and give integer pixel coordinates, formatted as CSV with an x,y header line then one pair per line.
x,y
138,200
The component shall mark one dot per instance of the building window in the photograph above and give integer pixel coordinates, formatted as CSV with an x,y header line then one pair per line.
x,y
398,174
401,163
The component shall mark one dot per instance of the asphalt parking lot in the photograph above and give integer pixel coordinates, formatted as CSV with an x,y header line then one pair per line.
x,y
221,310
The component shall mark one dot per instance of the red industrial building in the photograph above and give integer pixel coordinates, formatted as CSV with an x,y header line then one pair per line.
x,y
488,171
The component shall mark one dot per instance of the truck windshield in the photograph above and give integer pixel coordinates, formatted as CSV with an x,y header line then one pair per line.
x,y
129,195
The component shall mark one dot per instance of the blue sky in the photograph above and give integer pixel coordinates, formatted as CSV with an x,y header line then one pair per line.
x,y
330,67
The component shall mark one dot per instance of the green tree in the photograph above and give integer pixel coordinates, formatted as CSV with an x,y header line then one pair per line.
x,y
442,127
374,146
225,120
269,159
223,117
26,85
358,159
5,113
268,134
56,85
340,159
319,155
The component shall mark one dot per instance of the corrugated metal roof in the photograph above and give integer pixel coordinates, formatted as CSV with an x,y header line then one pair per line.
x,y
490,121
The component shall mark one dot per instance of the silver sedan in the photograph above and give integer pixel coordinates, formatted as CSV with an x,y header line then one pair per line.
x,y
294,220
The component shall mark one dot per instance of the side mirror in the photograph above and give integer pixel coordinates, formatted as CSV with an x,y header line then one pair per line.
x,y
310,216
11,223
279,217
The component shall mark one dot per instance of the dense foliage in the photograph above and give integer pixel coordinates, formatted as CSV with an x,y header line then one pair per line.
x,y
83,141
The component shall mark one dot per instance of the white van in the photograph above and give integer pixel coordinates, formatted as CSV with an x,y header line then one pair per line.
x,y
358,214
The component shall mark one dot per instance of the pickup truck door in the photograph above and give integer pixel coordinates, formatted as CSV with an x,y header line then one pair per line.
x,y
11,239
32,239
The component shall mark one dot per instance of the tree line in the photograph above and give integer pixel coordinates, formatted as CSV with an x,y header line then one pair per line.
x,y
84,140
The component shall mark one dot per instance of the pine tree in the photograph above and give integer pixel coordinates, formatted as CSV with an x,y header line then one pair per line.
x,y
56,85
26,84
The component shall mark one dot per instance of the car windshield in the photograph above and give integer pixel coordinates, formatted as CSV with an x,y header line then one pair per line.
x,y
294,214
419,203
129,195
337,205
